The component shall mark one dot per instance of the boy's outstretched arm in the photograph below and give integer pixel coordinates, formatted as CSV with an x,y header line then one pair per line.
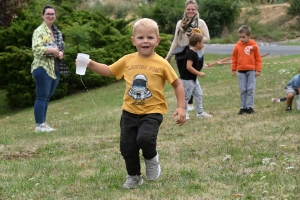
x,y
99,68
180,96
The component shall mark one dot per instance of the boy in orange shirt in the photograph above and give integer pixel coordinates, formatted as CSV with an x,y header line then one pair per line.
x,y
246,60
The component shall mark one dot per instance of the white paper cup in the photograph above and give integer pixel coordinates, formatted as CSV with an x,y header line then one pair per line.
x,y
81,64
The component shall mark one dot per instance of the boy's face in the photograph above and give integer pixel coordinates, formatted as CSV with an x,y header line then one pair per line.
x,y
145,40
243,37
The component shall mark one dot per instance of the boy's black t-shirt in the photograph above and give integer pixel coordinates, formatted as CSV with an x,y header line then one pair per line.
x,y
186,74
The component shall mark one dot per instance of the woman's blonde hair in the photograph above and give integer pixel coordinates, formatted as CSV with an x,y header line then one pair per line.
x,y
147,23
188,2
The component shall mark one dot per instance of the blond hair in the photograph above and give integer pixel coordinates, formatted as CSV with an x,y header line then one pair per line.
x,y
188,2
147,23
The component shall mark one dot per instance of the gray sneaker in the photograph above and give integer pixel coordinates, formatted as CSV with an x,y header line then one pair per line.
x,y
152,168
133,182
203,115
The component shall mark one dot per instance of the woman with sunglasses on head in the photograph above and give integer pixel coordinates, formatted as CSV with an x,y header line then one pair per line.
x,y
48,50
191,19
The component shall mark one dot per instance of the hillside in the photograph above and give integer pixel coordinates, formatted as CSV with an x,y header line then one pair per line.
x,y
273,14
264,14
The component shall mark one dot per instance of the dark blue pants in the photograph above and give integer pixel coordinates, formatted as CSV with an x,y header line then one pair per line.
x,y
138,132
45,88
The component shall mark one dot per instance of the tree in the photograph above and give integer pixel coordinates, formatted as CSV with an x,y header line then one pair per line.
x,y
219,14
165,12
9,9
294,9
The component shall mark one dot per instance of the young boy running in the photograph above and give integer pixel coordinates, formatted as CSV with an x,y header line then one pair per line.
x,y
246,60
144,103
190,72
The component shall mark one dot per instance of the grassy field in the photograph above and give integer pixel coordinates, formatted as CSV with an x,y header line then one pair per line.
x,y
225,157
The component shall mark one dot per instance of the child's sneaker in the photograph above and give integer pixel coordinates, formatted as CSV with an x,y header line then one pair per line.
x,y
250,110
187,116
288,109
190,107
242,110
203,115
133,182
152,168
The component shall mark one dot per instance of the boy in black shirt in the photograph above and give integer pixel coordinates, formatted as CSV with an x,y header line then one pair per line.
x,y
190,72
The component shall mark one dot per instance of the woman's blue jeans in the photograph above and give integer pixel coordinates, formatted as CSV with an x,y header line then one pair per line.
x,y
45,88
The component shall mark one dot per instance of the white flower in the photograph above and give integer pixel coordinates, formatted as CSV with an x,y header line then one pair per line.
x,y
266,161
289,168
281,71
263,177
227,157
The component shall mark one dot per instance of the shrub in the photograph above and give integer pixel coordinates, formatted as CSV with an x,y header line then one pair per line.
x,y
105,40
219,14
9,8
294,9
165,12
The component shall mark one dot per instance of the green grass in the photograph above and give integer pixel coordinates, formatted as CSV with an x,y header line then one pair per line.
x,y
225,157
3,103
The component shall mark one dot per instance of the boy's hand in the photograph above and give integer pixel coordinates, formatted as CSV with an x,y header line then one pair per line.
x,y
233,73
202,74
180,113
257,73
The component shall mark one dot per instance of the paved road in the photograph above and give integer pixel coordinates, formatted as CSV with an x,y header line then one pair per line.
x,y
273,50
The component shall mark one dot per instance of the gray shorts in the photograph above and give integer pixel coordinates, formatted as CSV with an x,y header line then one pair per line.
x,y
290,89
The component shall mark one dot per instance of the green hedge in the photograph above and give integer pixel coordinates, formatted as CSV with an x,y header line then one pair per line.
x,y
105,40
